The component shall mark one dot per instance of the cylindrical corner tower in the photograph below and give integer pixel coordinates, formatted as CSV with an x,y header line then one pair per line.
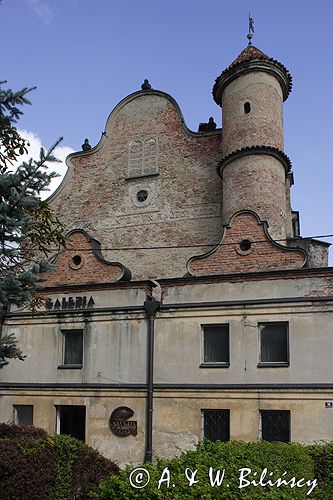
x,y
254,168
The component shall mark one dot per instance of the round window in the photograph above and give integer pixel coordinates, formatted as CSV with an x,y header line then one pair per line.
x,y
142,195
245,245
76,262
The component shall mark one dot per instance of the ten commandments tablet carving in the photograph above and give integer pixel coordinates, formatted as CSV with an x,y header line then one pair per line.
x,y
142,156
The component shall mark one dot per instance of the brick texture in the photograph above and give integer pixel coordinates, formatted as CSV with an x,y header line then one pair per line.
x,y
257,182
264,124
78,264
184,199
263,255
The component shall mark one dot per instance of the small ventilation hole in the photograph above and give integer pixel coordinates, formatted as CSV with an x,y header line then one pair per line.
x,y
245,245
76,260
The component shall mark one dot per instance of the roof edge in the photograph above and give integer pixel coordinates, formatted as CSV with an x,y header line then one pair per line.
x,y
264,64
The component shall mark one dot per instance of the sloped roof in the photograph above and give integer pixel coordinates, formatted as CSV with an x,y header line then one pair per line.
x,y
244,60
250,52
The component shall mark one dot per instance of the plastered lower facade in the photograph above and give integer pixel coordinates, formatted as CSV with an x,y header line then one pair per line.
x,y
200,225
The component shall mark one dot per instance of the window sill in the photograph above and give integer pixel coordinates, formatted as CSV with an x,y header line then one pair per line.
x,y
70,367
273,365
142,176
214,365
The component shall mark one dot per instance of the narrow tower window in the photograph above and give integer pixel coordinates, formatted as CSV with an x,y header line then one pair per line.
x,y
247,107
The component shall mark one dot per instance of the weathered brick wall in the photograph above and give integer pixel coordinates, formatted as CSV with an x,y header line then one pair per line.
x,y
147,149
264,124
257,182
79,264
184,200
263,254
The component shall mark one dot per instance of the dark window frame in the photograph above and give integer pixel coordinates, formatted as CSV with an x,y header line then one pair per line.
x,y
16,420
214,364
207,415
278,413
274,364
65,419
65,363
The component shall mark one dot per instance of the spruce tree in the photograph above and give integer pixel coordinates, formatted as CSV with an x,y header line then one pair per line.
x,y
29,230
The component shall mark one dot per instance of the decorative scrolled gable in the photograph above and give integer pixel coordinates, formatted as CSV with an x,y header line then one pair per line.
x,y
246,247
82,262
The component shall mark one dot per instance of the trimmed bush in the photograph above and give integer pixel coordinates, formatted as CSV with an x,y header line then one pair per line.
x,y
322,455
277,458
38,466
17,431
24,474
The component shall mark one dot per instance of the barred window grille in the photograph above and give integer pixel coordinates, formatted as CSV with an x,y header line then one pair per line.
x,y
275,425
216,424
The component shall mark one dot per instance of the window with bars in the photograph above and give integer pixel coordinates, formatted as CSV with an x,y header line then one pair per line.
x,y
216,345
275,425
274,344
216,424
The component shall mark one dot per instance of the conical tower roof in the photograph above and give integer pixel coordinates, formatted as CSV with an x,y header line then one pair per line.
x,y
252,59
250,52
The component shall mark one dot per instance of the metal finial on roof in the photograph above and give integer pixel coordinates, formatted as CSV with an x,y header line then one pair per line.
x,y
86,146
146,85
251,30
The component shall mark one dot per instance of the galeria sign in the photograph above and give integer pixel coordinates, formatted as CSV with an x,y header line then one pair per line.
x,y
69,303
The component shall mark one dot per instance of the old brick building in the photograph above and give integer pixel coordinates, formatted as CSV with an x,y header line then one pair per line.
x,y
186,304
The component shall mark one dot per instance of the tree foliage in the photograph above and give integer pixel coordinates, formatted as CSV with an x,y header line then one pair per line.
x,y
9,349
28,227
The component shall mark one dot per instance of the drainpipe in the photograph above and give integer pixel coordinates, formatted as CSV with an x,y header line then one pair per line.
x,y
151,306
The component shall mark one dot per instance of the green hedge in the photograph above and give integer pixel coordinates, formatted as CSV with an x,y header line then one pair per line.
x,y
322,456
299,461
38,466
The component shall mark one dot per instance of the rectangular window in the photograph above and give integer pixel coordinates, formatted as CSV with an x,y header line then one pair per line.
x,y
23,414
71,420
216,345
73,348
275,425
274,344
216,424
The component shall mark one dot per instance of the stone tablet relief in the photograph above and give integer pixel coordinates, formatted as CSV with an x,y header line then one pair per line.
x,y
142,156
135,158
155,216
150,156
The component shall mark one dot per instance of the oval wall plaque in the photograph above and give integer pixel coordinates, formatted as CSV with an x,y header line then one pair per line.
x,y
119,423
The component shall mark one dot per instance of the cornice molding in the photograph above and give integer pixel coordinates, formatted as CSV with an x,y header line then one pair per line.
x,y
255,150
267,65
